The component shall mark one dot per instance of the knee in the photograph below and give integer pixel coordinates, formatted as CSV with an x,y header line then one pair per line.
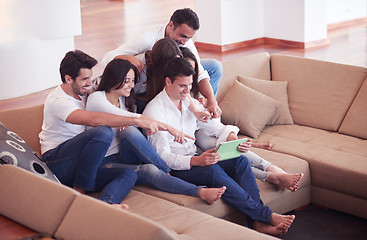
x,y
130,132
242,160
217,66
150,168
104,132
129,175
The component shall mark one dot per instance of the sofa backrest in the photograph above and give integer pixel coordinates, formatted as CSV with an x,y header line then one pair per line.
x,y
33,201
90,219
26,122
256,66
319,93
355,122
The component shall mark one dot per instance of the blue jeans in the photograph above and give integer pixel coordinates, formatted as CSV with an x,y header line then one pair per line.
x,y
236,174
136,149
215,70
76,163
149,174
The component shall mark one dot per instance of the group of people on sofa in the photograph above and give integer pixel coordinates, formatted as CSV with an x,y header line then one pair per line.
x,y
154,85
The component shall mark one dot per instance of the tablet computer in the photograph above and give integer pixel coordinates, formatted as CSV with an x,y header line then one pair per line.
x,y
228,150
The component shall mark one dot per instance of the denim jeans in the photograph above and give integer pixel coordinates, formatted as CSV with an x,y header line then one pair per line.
x,y
136,149
77,163
236,174
149,174
215,70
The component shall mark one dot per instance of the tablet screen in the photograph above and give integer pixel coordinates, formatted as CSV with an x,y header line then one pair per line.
x,y
228,150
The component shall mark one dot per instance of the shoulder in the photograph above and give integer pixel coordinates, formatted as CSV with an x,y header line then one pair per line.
x,y
96,95
154,107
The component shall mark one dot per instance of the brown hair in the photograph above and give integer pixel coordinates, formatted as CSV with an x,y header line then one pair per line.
x,y
162,51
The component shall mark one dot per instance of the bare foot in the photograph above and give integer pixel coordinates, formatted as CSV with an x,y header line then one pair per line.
x,y
266,146
211,194
121,206
269,229
277,219
285,180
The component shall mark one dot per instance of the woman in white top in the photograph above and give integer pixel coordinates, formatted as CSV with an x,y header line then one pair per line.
x,y
130,148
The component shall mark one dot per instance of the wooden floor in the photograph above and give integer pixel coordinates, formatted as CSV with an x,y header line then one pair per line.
x,y
106,24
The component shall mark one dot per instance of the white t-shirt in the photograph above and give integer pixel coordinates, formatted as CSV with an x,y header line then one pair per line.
x,y
97,102
177,156
55,129
144,41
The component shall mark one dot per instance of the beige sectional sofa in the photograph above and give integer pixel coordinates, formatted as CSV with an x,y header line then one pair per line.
x,y
313,114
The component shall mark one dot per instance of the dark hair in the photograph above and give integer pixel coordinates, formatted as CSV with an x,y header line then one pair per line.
x,y
162,51
187,16
178,67
188,54
73,62
113,77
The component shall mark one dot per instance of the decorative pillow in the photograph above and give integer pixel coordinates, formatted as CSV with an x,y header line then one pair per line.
x,y
15,151
248,109
276,90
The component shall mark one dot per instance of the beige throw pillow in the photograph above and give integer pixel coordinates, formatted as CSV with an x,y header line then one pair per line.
x,y
276,90
239,108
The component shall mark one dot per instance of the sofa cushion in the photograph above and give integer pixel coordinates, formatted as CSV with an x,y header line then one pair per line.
x,y
187,223
270,194
248,109
33,201
89,219
319,93
355,123
337,162
27,122
277,90
255,65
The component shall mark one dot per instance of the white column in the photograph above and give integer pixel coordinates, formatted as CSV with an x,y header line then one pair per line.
x,y
295,20
234,21
229,21
34,37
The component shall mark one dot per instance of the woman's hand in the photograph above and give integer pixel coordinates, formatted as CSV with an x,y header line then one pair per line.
x,y
151,126
178,135
244,147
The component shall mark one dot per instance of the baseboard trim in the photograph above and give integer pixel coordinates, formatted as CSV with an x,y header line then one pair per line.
x,y
259,41
345,24
280,42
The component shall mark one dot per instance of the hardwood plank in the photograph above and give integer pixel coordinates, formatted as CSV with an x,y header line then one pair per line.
x,y
12,230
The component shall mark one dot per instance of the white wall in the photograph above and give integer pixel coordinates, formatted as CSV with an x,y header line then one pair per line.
x,y
232,21
34,37
229,21
344,10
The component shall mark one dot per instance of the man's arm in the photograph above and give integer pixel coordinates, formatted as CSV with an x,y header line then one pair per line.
x,y
204,85
140,43
207,91
133,60
92,119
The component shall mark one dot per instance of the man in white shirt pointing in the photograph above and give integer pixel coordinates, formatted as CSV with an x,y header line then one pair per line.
x,y
182,27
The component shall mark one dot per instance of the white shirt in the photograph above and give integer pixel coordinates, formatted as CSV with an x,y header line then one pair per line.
x,y
55,129
144,41
97,102
177,156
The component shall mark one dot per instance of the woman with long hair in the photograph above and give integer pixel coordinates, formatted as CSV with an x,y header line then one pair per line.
x,y
130,148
